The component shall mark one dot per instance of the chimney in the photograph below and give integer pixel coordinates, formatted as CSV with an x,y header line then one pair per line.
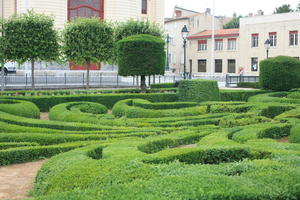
x,y
260,13
207,11
234,15
250,14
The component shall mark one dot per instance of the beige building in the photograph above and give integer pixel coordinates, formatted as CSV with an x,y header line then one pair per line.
x,y
114,10
240,50
195,22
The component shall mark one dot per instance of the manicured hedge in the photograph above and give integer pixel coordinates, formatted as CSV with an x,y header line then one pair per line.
x,y
164,85
295,134
280,73
198,90
23,154
20,108
46,102
278,97
239,95
249,85
130,110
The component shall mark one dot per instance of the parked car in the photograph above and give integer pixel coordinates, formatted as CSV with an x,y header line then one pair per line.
x,y
9,68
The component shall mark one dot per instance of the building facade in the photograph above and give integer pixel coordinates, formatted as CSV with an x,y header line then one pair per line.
x,y
112,10
240,50
195,22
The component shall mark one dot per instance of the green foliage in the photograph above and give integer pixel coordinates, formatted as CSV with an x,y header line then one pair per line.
x,y
281,73
198,90
239,95
273,111
275,132
234,23
131,27
88,40
141,55
164,85
20,108
295,134
255,85
31,37
285,8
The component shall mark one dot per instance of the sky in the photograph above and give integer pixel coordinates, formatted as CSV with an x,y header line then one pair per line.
x,y
228,7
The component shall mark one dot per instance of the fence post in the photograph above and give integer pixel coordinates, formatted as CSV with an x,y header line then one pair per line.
x,y
240,79
65,79
83,78
149,80
133,80
226,80
117,80
153,79
174,79
100,79
46,79
158,79
26,81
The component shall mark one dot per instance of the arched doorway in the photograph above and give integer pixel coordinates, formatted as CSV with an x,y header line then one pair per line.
x,y
85,8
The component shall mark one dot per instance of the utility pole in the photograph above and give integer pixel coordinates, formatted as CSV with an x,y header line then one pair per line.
x,y
2,60
212,64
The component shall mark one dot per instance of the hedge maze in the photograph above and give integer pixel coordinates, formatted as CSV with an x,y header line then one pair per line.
x,y
244,145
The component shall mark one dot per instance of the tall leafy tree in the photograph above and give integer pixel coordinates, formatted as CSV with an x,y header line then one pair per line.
x,y
87,41
286,8
2,56
31,37
141,55
234,23
133,27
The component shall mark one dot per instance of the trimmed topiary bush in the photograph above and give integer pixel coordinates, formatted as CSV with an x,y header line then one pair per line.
x,y
198,90
281,73
141,55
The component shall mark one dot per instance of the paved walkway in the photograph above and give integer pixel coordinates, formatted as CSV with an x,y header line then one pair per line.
x,y
17,180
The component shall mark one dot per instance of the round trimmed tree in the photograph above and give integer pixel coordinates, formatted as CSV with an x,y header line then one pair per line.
x,y
141,55
31,37
280,73
87,41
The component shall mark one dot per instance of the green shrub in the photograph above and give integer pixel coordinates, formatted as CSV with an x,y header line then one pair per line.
x,y
239,95
9,145
164,85
44,103
141,55
281,73
275,132
295,134
20,108
255,85
24,154
279,97
130,110
273,111
198,90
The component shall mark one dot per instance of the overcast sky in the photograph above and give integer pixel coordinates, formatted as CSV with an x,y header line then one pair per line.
x,y
228,7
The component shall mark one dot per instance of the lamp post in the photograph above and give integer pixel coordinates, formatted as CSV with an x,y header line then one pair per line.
x,y
168,42
184,33
267,46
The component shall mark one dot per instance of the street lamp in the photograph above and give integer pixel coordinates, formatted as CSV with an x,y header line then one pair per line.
x,y
184,33
267,46
168,42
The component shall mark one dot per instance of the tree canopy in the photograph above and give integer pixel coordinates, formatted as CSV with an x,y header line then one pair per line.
x,y
234,23
87,41
141,55
30,37
286,8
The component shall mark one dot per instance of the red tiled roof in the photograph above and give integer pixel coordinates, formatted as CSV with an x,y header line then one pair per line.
x,y
218,33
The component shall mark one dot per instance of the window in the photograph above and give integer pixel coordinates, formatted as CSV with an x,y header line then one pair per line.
x,y
254,64
202,45
144,7
218,66
232,44
219,45
231,66
293,38
85,8
255,39
202,65
273,39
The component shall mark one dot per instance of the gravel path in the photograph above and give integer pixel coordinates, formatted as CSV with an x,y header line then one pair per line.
x,y
17,180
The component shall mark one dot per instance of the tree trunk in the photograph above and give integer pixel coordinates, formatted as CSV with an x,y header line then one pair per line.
x,y
88,66
32,75
143,82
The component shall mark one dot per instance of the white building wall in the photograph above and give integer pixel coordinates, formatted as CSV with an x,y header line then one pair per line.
x,y
9,8
263,25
